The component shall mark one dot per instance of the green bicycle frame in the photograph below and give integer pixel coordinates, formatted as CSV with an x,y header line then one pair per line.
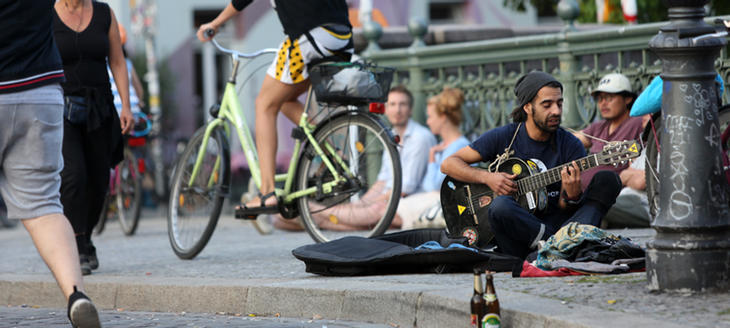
x,y
231,111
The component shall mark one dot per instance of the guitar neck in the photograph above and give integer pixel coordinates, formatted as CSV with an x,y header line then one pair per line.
x,y
551,176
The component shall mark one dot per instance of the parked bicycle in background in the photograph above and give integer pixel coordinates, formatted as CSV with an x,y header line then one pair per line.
x,y
124,198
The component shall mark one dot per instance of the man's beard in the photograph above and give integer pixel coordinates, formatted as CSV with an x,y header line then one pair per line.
x,y
543,125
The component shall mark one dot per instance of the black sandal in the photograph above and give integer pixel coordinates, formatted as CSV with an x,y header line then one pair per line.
x,y
250,213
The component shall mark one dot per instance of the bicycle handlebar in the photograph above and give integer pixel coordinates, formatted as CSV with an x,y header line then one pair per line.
x,y
210,33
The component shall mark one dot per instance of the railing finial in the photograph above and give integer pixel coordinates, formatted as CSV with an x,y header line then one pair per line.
x,y
372,32
418,27
568,11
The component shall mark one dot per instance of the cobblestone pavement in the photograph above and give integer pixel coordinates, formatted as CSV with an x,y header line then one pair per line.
x,y
25,316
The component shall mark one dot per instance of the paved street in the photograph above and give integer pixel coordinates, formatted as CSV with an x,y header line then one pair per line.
x,y
19,316
243,272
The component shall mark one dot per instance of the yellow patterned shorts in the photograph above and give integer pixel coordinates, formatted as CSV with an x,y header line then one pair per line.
x,y
290,64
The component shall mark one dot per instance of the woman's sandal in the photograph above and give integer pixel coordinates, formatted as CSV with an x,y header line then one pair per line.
x,y
250,213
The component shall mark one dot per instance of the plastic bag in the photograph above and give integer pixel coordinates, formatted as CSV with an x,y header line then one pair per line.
x,y
355,82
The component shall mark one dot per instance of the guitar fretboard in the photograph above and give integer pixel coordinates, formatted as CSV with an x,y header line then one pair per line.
x,y
542,179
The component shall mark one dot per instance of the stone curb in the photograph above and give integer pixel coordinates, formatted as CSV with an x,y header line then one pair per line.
x,y
401,304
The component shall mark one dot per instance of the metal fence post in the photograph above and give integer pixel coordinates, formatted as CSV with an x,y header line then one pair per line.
x,y
691,250
418,28
372,32
568,11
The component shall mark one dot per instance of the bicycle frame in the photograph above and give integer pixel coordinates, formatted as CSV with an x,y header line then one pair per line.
x,y
231,111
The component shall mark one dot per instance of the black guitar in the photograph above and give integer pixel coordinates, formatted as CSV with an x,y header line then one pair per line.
x,y
466,205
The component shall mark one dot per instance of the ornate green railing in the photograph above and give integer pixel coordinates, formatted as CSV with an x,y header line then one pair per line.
x,y
487,70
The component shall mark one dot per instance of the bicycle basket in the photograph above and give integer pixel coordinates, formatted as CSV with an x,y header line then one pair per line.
x,y
351,83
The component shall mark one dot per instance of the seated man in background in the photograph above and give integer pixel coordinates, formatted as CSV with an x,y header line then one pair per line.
x,y
614,97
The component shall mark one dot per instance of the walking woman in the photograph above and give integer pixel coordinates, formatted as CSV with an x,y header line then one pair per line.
x,y
87,36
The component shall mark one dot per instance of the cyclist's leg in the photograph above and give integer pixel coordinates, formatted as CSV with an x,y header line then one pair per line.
x,y
274,95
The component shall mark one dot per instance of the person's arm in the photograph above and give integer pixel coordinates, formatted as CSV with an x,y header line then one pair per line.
x,y
414,161
583,139
118,66
223,17
591,131
570,175
137,85
458,167
633,178
570,185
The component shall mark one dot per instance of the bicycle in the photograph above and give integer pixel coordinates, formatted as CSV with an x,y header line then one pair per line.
x,y
335,161
125,182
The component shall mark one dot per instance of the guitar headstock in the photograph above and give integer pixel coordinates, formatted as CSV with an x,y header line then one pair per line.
x,y
619,152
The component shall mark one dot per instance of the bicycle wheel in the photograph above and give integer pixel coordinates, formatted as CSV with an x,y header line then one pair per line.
x,y
362,205
128,192
652,159
106,212
194,207
651,168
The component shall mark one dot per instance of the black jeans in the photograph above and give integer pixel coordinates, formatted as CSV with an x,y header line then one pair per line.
x,y
85,177
517,231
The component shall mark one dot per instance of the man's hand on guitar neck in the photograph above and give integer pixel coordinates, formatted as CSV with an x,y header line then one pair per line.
x,y
571,189
502,183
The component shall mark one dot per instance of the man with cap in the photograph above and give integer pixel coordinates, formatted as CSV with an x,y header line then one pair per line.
x,y
535,134
614,97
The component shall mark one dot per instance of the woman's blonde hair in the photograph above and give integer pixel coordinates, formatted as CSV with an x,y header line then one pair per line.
x,y
449,103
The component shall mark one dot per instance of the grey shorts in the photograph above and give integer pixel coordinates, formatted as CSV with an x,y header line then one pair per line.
x,y
31,137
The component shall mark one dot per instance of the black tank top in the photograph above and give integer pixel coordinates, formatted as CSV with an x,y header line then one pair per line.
x,y
84,54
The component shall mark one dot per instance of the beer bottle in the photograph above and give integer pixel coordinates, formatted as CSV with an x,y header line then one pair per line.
x,y
491,314
477,301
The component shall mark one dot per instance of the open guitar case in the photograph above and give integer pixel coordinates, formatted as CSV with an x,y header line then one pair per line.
x,y
396,253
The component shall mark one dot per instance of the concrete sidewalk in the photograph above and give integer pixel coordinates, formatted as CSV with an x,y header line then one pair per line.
x,y
241,271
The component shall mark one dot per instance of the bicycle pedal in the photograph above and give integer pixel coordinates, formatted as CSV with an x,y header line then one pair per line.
x,y
246,216
250,213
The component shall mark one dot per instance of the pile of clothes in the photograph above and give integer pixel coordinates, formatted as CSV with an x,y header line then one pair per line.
x,y
578,249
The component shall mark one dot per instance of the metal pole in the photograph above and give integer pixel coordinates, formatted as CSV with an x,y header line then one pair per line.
x,y
149,14
417,27
568,10
691,251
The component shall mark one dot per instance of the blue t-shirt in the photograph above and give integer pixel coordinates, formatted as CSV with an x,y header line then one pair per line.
x,y
433,178
562,148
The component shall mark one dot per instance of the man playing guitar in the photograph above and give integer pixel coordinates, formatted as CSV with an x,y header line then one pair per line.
x,y
535,135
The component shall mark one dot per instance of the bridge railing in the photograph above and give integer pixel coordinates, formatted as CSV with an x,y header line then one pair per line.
x,y
487,70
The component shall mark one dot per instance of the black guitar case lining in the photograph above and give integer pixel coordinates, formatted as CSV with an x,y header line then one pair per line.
x,y
395,253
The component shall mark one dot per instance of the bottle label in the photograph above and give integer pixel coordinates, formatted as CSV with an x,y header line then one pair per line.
x,y
474,321
490,297
491,320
